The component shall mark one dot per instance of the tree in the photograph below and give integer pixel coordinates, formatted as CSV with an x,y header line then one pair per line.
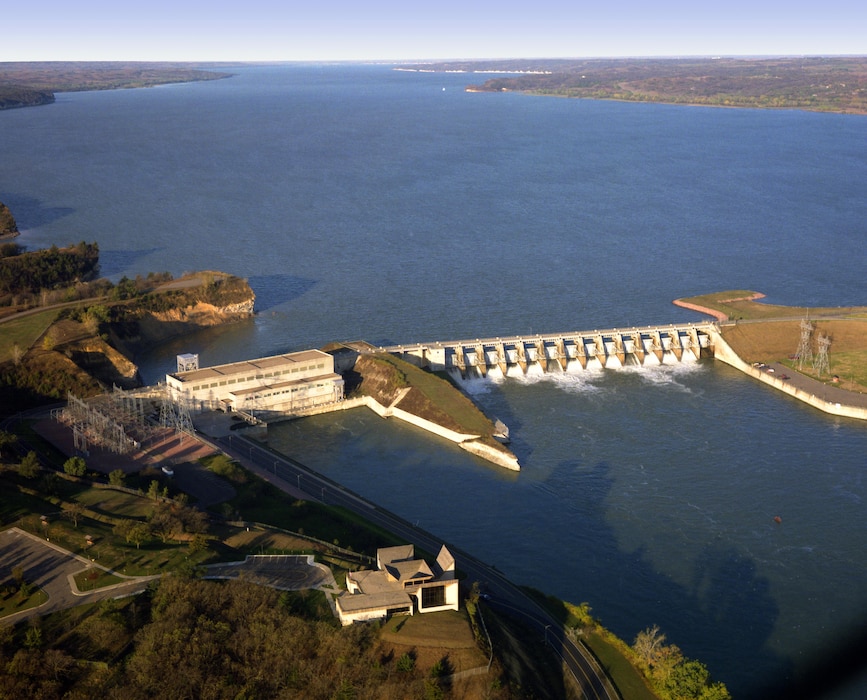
x,y
17,353
198,543
7,442
50,339
690,679
154,490
406,663
73,510
164,523
116,477
75,466
58,663
133,531
138,534
29,466
33,637
48,483
648,643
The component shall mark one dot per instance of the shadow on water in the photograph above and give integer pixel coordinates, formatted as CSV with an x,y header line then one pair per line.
x,y
30,212
727,602
116,262
274,290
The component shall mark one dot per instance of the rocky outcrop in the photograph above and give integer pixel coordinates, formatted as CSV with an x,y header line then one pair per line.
x,y
102,362
156,327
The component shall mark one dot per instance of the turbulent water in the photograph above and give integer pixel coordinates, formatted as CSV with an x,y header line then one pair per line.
x,y
361,202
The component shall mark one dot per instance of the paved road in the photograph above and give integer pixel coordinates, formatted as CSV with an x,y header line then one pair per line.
x,y
286,472
826,392
52,568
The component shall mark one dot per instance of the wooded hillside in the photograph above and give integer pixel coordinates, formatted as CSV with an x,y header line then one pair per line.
x,y
28,84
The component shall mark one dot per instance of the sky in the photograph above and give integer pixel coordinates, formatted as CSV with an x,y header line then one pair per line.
x,y
386,30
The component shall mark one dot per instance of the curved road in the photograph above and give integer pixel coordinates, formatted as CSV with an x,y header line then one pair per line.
x,y
294,477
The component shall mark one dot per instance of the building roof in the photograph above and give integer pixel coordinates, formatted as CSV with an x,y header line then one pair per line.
x,y
262,363
399,572
445,561
402,552
403,571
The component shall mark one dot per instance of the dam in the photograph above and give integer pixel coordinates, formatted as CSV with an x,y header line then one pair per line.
x,y
562,352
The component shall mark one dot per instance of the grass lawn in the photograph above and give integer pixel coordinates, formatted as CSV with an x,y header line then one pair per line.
x,y
618,667
13,602
776,341
624,675
434,636
116,503
93,578
259,501
741,304
108,549
23,332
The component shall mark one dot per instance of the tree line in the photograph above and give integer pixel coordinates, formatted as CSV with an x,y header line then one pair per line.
x,y
52,268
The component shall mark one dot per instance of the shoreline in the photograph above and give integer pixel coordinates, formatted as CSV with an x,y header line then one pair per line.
x,y
831,400
718,315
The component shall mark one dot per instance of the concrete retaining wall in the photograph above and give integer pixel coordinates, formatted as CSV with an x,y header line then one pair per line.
x,y
466,441
722,351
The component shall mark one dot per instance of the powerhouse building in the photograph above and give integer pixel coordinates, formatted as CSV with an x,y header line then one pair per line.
x,y
281,383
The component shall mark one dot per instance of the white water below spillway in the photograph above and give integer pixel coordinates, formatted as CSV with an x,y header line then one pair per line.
x,y
613,362
574,366
494,372
632,361
534,369
651,359
594,363
514,371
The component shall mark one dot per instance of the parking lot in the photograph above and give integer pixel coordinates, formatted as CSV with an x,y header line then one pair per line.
x,y
52,569
284,572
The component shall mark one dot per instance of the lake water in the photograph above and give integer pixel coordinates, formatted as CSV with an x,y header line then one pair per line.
x,y
361,202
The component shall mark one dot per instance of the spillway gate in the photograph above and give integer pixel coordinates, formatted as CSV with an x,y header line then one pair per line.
x,y
563,352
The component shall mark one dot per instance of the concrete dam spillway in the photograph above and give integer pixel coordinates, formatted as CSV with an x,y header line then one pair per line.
x,y
563,352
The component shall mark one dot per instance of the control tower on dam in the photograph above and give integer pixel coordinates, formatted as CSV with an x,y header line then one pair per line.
x,y
563,352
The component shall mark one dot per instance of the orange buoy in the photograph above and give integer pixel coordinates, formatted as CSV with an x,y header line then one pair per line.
x,y
777,519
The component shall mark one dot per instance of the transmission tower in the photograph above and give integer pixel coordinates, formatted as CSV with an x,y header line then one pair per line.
x,y
175,413
821,364
804,353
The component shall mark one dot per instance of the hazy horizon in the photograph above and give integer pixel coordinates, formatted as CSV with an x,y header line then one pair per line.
x,y
386,31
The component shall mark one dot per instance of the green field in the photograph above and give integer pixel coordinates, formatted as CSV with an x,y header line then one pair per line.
x,y
23,332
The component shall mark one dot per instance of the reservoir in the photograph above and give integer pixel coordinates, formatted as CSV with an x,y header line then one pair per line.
x,y
365,203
